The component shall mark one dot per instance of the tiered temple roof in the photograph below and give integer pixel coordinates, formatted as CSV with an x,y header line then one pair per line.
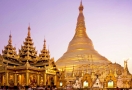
x,y
9,51
27,56
44,57
27,51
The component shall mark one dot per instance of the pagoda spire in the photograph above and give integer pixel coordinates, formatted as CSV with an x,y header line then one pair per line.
x,y
81,7
28,51
9,51
126,67
80,28
44,55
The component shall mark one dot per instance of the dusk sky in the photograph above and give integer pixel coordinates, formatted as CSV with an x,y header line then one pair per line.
x,y
108,25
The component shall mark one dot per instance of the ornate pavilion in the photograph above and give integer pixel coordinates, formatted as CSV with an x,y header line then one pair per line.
x,y
26,68
84,67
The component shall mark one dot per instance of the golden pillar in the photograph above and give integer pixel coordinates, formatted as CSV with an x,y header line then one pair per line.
x,y
49,79
38,77
55,80
23,79
27,78
44,78
105,84
3,80
20,79
15,79
7,76
115,83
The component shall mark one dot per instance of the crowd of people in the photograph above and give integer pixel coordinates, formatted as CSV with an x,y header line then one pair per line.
x,y
27,88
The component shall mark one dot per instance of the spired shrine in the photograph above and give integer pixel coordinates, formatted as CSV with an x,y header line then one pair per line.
x,y
26,68
81,66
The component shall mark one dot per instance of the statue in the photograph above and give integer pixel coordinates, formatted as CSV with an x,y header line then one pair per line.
x,y
11,82
33,80
41,81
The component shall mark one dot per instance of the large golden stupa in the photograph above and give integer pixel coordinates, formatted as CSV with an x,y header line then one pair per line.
x,y
80,49
82,66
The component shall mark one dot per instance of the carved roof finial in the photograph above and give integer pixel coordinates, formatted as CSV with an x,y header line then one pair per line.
x,y
81,7
29,30
44,44
125,64
10,39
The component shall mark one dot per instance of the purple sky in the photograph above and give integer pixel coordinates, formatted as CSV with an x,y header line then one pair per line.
x,y
108,24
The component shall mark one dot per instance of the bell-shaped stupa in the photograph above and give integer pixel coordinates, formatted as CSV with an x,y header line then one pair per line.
x,y
80,50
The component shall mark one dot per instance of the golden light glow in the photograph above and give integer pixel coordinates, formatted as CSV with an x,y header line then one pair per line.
x,y
110,84
85,84
61,83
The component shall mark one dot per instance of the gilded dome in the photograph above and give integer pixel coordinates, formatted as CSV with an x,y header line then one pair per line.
x,y
80,50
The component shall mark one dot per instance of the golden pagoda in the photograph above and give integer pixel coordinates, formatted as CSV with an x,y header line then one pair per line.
x,y
85,67
27,68
80,49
